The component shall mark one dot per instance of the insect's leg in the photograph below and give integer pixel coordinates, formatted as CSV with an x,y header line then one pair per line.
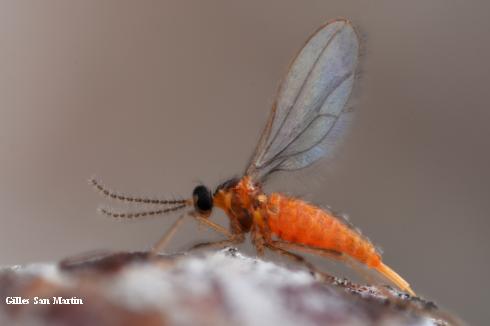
x,y
231,238
258,240
167,236
292,256
330,254
284,248
236,239
367,274
212,225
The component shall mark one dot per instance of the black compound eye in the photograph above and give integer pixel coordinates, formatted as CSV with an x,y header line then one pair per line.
x,y
203,199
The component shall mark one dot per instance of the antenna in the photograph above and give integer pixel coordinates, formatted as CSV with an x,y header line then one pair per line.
x,y
175,204
132,215
132,199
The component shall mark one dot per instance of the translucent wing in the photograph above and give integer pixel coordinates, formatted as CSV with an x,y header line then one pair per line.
x,y
309,114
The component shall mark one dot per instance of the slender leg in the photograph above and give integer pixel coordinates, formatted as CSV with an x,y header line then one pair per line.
x,y
330,254
297,258
212,225
260,242
167,236
283,248
232,238
219,244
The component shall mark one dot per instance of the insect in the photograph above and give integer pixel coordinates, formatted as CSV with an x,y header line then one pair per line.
x,y
307,119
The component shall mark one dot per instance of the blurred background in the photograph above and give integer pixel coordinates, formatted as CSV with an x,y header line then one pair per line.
x,y
154,97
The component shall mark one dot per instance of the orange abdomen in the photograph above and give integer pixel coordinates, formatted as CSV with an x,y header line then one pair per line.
x,y
296,221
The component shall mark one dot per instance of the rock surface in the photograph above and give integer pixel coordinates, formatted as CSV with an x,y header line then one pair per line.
x,y
217,288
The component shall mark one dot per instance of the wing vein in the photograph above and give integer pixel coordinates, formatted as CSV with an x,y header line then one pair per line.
x,y
308,115
289,110
309,124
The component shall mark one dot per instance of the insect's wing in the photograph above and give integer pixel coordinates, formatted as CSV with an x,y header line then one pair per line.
x,y
309,112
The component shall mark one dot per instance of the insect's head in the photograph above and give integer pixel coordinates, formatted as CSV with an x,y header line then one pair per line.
x,y
203,200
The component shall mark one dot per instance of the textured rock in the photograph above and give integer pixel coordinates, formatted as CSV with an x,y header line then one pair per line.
x,y
217,288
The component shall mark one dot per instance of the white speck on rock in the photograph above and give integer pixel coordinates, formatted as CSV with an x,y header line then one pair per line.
x,y
49,272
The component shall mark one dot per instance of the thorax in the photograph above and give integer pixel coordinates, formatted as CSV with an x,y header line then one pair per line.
x,y
241,200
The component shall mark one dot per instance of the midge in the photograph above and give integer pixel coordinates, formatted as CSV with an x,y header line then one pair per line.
x,y
307,119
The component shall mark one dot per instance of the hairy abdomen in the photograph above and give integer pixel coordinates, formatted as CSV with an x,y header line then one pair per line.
x,y
296,221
